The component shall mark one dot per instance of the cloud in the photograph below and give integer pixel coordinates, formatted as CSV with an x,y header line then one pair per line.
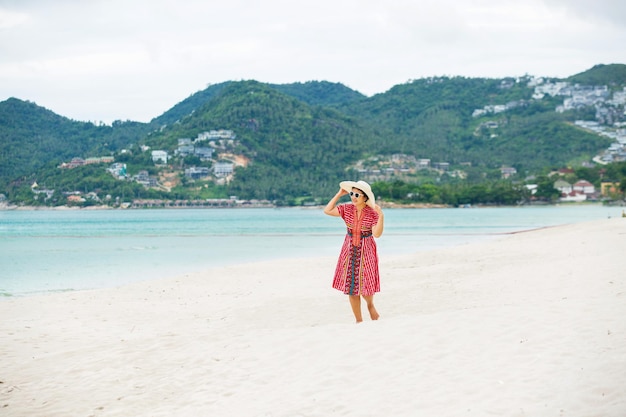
x,y
600,11
9,20
108,60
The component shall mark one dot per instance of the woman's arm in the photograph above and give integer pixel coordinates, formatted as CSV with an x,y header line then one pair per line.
x,y
331,207
377,229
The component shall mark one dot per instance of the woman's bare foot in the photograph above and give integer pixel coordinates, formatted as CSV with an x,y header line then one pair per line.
x,y
373,313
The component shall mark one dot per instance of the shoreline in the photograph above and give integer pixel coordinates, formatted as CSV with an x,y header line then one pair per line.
x,y
528,324
384,205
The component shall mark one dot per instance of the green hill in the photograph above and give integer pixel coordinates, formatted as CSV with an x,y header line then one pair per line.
x,y
320,93
315,93
432,118
302,138
295,148
610,75
189,105
32,137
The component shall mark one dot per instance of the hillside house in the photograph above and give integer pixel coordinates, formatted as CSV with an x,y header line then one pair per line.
x,y
75,162
118,170
197,172
77,199
159,157
506,172
184,150
423,163
46,192
584,187
563,186
608,188
532,188
223,169
215,135
565,171
145,179
203,153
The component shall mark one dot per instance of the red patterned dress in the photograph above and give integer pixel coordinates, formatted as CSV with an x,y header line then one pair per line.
x,y
357,268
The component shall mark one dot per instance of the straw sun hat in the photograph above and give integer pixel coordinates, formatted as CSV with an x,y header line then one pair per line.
x,y
363,186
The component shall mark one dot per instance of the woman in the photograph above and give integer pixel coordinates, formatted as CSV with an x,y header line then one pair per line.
x,y
357,269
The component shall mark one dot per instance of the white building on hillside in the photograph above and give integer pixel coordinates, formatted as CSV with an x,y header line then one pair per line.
x,y
584,187
223,169
563,186
159,157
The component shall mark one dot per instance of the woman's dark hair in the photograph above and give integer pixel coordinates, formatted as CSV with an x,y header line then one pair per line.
x,y
363,194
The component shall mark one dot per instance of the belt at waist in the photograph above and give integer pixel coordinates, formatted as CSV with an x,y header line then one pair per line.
x,y
367,233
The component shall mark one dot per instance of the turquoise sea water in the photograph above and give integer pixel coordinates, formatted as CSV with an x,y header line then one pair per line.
x,y
49,251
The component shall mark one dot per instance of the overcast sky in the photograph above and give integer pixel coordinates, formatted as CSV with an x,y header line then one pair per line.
x,y
106,60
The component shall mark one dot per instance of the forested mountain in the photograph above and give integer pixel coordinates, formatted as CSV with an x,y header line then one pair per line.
x,y
32,136
611,75
433,118
190,104
295,148
301,138
320,93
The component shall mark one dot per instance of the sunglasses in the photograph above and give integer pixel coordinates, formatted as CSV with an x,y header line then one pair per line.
x,y
355,195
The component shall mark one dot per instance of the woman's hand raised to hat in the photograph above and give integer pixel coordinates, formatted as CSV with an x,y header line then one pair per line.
x,y
331,207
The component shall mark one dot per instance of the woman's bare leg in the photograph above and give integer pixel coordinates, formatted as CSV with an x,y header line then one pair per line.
x,y
355,303
370,307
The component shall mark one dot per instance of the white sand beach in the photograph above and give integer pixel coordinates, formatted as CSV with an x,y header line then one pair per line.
x,y
531,324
